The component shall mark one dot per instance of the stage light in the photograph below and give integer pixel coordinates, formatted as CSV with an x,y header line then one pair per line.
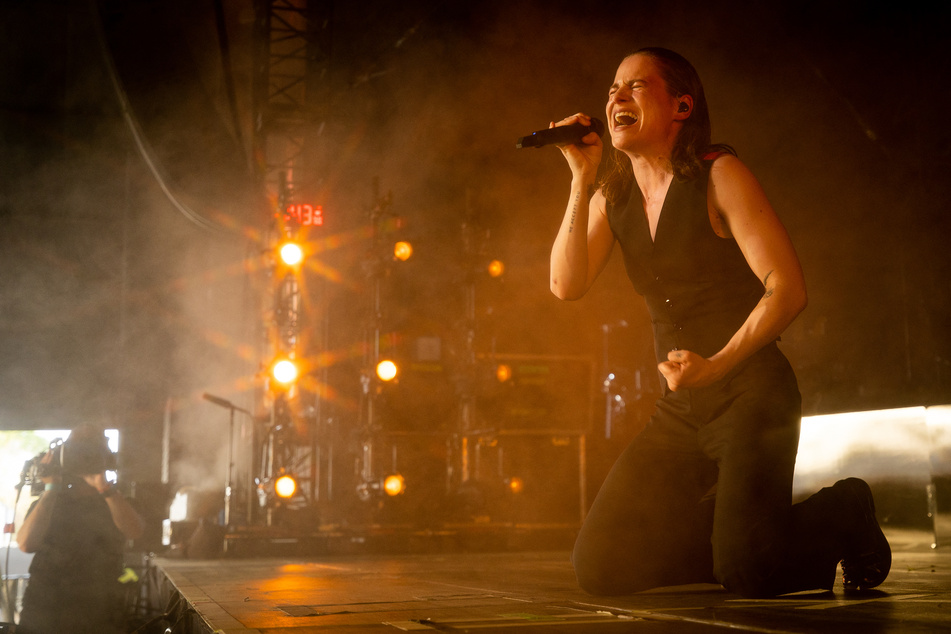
x,y
516,485
394,484
496,268
402,251
291,253
503,372
285,486
386,370
284,371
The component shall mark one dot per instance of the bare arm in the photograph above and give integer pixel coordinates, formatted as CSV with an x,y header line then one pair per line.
x,y
584,241
33,530
126,519
740,201
35,525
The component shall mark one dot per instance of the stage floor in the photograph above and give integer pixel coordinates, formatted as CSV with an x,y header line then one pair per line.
x,y
531,592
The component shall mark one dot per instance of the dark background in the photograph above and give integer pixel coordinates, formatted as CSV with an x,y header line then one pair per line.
x,y
119,308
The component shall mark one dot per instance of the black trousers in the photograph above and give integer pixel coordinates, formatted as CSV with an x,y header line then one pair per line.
x,y
704,494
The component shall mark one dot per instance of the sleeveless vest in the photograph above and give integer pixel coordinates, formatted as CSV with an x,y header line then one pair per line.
x,y
698,287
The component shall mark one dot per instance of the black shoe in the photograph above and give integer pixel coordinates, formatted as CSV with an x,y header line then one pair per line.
x,y
867,557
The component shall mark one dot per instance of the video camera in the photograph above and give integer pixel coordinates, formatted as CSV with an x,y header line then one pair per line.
x,y
68,460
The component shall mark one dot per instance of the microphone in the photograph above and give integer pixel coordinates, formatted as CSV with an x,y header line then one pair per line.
x,y
560,135
217,400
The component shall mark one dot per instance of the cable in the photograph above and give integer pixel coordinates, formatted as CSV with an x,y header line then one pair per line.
x,y
137,134
227,71
7,595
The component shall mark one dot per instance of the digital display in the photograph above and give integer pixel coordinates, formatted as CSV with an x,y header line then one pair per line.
x,y
305,215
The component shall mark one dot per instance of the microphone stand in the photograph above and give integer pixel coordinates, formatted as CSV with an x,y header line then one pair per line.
x,y
228,483
609,377
608,380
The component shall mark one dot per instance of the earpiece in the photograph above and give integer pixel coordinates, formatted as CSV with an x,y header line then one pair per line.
x,y
684,107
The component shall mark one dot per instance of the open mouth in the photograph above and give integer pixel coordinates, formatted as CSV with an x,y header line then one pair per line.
x,y
623,117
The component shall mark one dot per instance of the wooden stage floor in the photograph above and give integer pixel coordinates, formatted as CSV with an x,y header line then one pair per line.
x,y
529,592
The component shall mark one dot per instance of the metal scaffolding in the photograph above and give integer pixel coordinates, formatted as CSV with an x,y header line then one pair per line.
x,y
290,86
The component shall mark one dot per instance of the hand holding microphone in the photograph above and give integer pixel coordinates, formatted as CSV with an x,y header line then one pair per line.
x,y
571,134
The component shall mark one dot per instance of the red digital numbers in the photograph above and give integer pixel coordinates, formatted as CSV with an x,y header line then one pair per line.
x,y
305,215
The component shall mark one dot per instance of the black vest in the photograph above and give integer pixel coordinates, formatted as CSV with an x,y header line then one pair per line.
x,y
698,287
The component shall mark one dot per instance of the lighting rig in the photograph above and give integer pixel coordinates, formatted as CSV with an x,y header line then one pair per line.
x,y
378,369
290,100
287,453
474,239
479,489
475,481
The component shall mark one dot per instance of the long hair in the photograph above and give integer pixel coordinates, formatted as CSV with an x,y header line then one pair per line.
x,y
693,140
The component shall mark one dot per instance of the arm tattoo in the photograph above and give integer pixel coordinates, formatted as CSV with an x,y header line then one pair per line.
x,y
769,290
574,209
574,212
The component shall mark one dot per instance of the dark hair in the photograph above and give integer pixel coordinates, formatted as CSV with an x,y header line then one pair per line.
x,y
87,451
693,140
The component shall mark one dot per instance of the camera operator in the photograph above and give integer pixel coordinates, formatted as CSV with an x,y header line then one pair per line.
x,y
77,528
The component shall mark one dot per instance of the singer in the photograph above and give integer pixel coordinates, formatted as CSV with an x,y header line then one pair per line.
x,y
704,493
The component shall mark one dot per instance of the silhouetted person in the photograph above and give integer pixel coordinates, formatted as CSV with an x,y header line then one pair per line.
x,y
704,493
77,530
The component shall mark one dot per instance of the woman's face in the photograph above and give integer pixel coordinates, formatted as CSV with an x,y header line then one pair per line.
x,y
640,110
